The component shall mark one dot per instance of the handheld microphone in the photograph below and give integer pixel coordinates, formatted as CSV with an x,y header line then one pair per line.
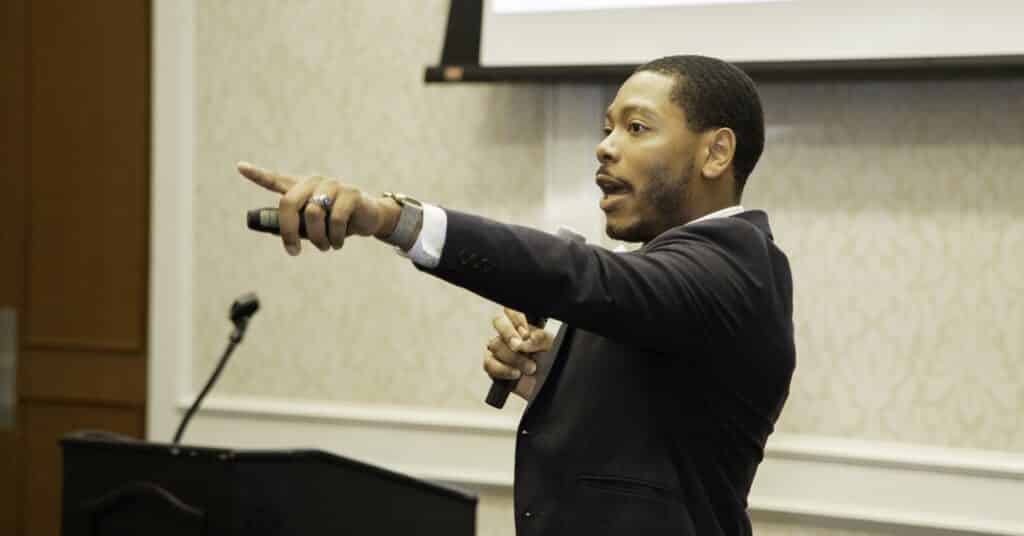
x,y
500,389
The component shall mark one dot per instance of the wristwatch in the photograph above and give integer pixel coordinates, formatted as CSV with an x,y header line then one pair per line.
x,y
410,220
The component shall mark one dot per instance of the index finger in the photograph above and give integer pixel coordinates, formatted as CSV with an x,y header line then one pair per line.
x,y
507,331
518,320
274,182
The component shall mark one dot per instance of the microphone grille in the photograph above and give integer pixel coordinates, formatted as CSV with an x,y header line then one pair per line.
x,y
245,306
262,219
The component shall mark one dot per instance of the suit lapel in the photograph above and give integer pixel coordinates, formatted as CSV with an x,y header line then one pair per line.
x,y
547,362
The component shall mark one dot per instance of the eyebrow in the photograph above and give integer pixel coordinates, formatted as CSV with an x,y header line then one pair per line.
x,y
628,109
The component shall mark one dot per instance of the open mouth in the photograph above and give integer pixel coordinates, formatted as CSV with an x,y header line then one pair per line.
x,y
610,186
614,190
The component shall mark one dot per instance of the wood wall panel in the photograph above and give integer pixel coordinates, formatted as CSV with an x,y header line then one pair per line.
x,y
89,160
49,422
8,482
13,181
87,377
13,172
75,234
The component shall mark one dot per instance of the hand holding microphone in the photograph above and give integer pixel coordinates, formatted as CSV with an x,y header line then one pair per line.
x,y
508,365
511,359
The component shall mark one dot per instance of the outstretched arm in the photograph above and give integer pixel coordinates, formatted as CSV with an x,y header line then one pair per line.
x,y
684,282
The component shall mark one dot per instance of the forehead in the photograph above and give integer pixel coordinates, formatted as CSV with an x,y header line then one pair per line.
x,y
647,91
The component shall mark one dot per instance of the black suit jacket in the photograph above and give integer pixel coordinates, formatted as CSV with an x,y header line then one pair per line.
x,y
670,371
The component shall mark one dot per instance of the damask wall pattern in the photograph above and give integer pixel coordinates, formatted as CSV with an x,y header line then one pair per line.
x,y
336,88
900,204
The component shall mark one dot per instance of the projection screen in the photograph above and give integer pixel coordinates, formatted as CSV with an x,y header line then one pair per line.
x,y
617,32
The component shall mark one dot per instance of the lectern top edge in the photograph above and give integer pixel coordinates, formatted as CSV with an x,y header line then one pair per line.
x,y
107,440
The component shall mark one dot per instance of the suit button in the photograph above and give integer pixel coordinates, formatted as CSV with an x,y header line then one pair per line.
x,y
525,432
527,514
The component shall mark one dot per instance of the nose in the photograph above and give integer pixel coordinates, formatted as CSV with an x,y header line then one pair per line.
x,y
606,150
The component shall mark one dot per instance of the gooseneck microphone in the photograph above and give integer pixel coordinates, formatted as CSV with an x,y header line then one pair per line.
x,y
241,311
500,389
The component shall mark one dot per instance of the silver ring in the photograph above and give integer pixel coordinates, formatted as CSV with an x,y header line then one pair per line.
x,y
323,200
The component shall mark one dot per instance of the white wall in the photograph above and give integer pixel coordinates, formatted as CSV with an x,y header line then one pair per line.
x,y
897,203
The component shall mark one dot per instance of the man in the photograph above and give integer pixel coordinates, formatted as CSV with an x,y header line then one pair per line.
x,y
651,414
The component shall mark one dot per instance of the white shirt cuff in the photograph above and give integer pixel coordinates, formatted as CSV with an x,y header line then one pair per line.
x,y
426,252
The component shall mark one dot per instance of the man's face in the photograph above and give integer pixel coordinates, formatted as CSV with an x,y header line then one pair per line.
x,y
647,160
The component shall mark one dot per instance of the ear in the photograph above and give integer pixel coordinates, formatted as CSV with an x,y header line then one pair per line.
x,y
719,149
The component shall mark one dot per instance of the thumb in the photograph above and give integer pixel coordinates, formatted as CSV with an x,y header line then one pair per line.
x,y
538,341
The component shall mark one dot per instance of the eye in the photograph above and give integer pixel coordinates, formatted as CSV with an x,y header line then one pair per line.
x,y
637,127
606,130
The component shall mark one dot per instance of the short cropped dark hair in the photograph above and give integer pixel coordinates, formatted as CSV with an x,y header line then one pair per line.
x,y
716,94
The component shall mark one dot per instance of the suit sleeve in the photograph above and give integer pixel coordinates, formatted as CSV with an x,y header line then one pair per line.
x,y
696,280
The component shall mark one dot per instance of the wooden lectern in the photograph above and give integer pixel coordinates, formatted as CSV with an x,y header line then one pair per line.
x,y
116,486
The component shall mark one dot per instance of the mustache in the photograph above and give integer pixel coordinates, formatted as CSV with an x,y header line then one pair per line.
x,y
603,170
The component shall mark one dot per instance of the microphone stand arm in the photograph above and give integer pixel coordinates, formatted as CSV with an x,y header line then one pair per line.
x,y
234,339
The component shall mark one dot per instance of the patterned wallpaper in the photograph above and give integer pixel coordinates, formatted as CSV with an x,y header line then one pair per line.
x,y
901,206
336,88
899,203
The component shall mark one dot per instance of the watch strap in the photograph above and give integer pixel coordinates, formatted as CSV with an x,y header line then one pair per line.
x,y
410,220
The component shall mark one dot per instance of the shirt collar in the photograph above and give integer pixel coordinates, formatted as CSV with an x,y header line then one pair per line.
x,y
723,213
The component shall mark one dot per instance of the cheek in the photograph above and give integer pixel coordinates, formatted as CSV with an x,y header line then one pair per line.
x,y
665,160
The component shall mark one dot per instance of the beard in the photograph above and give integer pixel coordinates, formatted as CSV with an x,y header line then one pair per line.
x,y
659,206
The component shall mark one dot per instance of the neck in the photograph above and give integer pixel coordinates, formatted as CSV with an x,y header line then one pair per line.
x,y
706,206
710,196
